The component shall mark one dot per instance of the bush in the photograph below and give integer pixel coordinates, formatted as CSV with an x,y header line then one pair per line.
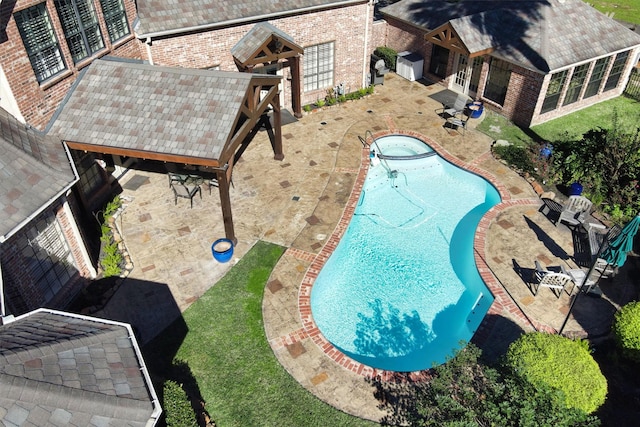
x,y
389,55
177,408
607,163
559,363
520,158
465,392
626,329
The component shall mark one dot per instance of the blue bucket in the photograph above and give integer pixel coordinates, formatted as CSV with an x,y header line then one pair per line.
x,y
222,250
575,189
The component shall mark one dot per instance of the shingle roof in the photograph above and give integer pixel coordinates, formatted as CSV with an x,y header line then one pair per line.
x,y
161,15
255,38
539,35
176,111
34,169
59,369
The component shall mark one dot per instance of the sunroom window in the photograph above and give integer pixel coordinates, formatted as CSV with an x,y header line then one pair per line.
x,y
554,90
616,70
576,84
597,75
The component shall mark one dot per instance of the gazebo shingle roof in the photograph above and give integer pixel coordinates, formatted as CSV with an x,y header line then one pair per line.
x,y
157,16
175,111
34,169
538,35
255,38
60,369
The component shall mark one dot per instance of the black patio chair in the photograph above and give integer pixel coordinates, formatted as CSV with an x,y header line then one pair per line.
x,y
186,191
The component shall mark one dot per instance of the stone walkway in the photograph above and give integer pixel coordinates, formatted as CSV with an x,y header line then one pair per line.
x,y
299,203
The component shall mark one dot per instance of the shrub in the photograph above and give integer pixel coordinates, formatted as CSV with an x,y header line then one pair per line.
x,y
520,158
559,363
607,163
389,55
626,329
320,103
307,108
465,392
177,408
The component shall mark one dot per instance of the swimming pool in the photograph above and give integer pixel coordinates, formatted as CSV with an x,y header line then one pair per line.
x,y
401,289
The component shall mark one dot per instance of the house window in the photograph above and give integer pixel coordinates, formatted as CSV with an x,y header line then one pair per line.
x,y
616,71
48,259
497,81
597,75
40,41
81,29
318,66
576,83
116,19
556,83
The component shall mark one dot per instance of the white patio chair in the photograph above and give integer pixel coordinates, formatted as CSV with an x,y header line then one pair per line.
x,y
557,282
575,211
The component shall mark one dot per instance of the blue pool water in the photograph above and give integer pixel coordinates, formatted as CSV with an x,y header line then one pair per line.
x,y
401,290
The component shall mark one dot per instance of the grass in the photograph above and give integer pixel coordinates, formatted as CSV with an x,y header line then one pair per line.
x,y
576,124
221,337
623,10
573,125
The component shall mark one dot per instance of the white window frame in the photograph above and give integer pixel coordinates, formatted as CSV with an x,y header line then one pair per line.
x,y
318,66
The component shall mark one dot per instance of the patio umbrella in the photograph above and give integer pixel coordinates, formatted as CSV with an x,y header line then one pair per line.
x,y
616,253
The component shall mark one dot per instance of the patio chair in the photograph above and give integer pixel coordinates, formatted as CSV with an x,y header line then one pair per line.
x,y
578,277
557,282
176,177
573,213
186,191
453,110
457,123
599,236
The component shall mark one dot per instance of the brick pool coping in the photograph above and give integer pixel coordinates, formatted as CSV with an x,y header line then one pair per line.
x,y
502,300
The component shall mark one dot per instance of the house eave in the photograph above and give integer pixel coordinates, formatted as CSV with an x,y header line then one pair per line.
x,y
239,21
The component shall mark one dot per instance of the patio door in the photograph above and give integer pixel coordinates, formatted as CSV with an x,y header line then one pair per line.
x,y
467,75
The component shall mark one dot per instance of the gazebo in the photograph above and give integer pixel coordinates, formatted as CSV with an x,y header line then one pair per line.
x,y
175,115
266,48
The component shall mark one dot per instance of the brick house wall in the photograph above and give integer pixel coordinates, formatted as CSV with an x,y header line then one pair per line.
x,y
378,34
212,48
22,294
404,37
38,101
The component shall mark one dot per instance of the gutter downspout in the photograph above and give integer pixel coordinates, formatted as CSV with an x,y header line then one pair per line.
x,y
366,45
2,308
147,45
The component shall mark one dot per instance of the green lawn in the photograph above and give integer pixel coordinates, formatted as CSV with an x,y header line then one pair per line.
x,y
221,337
573,125
624,10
